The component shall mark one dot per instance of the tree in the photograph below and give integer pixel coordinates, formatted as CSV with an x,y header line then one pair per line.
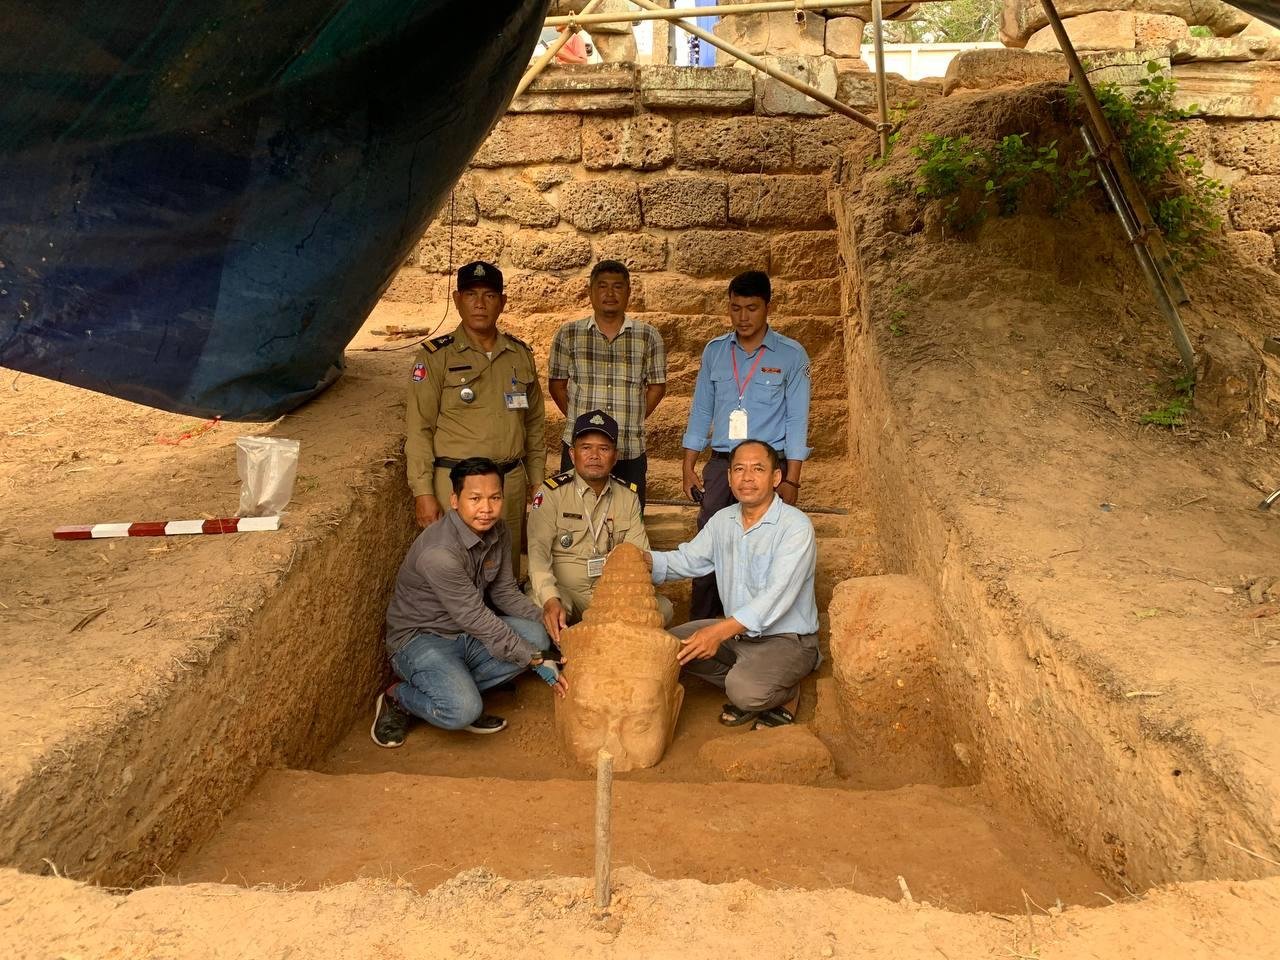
x,y
954,21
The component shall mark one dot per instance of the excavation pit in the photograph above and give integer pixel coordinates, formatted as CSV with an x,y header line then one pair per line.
x,y
898,797
1075,724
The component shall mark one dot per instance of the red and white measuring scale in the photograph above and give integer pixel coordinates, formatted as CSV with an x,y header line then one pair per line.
x,y
166,528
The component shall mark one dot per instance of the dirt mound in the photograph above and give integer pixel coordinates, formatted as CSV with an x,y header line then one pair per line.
x,y
1002,375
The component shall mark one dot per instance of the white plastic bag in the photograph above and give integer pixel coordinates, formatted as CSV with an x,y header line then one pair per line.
x,y
267,466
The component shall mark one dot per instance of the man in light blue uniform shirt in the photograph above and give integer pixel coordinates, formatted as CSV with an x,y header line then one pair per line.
x,y
752,383
764,554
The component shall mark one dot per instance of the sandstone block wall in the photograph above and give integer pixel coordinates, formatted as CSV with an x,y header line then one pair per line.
x,y
690,184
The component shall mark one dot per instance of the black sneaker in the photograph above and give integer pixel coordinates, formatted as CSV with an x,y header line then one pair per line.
x,y
486,723
390,722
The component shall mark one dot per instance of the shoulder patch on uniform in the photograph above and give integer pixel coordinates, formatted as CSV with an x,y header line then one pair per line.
x,y
514,339
537,499
431,346
630,486
558,479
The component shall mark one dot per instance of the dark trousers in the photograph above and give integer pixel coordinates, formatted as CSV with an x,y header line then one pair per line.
x,y
716,495
628,471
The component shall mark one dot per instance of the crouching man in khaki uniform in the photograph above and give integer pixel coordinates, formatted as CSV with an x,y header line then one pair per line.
x,y
576,519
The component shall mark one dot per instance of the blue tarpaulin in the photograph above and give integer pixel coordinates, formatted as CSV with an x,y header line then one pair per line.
x,y
200,202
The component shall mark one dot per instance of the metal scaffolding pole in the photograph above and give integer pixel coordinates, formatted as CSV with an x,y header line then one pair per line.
x,y
812,92
882,94
721,10
1128,199
537,66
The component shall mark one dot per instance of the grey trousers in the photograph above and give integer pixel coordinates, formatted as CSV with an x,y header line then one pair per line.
x,y
757,673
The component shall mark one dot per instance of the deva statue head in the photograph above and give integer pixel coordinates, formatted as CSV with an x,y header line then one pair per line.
x,y
624,690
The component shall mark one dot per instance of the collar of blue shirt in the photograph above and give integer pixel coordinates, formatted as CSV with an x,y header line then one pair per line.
x,y
771,339
770,515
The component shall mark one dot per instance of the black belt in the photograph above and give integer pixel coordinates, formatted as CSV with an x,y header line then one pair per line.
x,y
503,468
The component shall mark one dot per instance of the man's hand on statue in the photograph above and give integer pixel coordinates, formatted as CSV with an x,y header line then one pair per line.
x,y
554,617
551,675
427,508
692,482
700,645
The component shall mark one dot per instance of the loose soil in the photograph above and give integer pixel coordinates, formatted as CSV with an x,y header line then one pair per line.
x,y
479,915
953,846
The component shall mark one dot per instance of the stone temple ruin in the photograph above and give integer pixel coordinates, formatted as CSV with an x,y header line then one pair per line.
x,y
1041,689
624,691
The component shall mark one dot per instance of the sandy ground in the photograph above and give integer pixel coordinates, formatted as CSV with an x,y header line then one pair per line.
x,y
479,915
953,845
88,626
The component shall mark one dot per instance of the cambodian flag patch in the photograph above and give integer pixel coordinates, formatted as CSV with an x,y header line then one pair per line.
x,y
537,500
419,372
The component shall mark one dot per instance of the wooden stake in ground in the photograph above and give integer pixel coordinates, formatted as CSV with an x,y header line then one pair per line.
x,y
604,818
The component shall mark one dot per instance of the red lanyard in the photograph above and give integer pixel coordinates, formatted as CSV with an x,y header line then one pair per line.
x,y
742,385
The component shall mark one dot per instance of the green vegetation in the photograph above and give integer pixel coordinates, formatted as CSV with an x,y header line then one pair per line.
x,y
951,21
974,181
895,323
1174,413
1185,202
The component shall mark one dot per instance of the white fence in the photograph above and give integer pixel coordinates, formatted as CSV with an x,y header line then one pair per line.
x,y
915,61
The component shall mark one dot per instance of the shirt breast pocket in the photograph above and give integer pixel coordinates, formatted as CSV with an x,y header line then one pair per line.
x,y
453,382
575,530
769,384
723,385
758,572
490,567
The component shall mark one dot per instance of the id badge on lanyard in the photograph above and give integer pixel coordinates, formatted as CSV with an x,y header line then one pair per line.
x,y
595,562
516,399
739,428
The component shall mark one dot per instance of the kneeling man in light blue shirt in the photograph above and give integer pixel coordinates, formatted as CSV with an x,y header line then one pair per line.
x,y
763,553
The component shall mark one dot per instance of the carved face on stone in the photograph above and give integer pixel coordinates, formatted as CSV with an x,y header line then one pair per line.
x,y
624,690
630,712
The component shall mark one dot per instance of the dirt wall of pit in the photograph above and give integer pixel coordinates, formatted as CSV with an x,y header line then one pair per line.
x,y
1041,713
233,654
280,687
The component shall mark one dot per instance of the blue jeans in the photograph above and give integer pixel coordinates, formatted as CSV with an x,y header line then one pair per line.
x,y
444,676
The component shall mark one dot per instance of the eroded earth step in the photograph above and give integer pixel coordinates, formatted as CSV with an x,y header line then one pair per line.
x,y
950,844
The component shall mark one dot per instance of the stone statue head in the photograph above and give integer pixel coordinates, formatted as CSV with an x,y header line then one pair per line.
x,y
624,690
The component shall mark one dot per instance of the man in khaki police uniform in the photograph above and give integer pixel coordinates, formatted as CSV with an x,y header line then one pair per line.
x,y
577,518
475,393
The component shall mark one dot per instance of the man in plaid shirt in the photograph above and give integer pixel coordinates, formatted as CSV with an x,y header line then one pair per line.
x,y
612,363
